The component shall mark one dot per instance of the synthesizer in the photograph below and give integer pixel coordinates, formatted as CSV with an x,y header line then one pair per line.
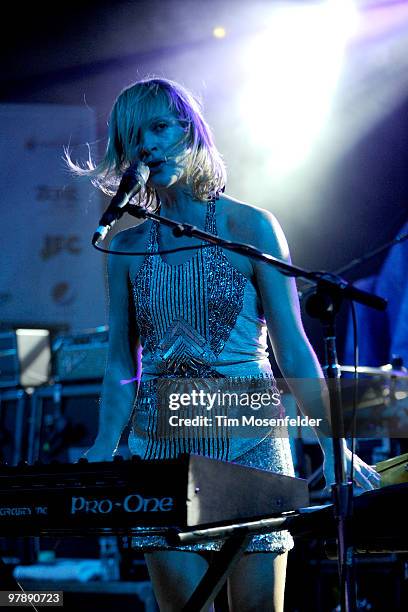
x,y
122,497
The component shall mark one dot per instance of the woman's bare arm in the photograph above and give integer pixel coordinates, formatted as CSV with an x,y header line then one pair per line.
x,y
117,399
292,349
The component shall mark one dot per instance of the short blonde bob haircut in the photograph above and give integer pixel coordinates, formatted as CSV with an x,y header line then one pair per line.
x,y
136,104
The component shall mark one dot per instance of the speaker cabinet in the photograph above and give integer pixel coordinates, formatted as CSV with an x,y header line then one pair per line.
x,y
63,422
14,407
14,411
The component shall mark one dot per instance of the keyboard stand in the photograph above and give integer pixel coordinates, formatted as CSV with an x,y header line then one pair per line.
x,y
217,573
237,539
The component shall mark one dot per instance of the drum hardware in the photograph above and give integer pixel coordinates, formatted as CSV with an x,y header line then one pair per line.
x,y
386,371
394,470
382,401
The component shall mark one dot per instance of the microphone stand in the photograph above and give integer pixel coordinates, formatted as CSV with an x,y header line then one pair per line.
x,y
324,304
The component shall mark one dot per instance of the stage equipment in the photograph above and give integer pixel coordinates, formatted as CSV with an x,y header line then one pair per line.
x,y
14,417
189,499
381,401
80,357
123,496
63,421
133,180
25,356
13,425
394,470
386,371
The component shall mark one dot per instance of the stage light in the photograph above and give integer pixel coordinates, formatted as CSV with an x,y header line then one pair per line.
x,y
219,32
292,69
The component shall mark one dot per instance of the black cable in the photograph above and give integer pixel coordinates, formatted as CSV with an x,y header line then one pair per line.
x,y
165,252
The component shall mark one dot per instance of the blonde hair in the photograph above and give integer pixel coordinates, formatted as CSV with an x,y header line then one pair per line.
x,y
205,170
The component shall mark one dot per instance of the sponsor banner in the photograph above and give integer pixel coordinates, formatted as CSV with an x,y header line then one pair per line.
x,y
50,274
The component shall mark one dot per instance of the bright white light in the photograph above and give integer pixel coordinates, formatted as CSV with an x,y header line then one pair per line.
x,y
219,32
293,68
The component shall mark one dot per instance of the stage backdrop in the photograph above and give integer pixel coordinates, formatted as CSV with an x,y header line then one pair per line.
x,y
384,335
49,273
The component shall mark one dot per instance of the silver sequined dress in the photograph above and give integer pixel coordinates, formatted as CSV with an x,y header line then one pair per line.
x,y
202,319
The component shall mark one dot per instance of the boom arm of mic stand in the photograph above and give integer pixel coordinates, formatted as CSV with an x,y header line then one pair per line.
x,y
323,279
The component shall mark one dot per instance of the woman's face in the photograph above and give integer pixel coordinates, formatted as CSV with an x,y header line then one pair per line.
x,y
161,141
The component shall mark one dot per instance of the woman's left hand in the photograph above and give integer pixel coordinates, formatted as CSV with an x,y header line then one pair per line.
x,y
365,476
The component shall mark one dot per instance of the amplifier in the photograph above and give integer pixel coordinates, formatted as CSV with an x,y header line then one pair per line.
x,y
25,356
14,424
80,356
63,421
14,420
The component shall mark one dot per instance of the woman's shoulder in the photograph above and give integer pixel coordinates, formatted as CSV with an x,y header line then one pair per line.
x,y
242,217
128,242
131,238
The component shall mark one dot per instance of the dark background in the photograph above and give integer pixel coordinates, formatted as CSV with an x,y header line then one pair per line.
x,y
83,53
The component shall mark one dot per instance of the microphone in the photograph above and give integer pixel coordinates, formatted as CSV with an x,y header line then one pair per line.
x,y
133,180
